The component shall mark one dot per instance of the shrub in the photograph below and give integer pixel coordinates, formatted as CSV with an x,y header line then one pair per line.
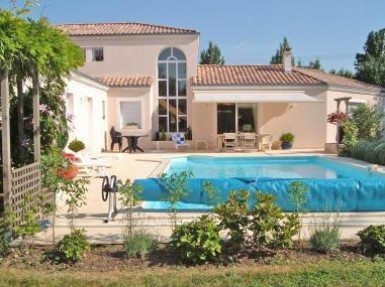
x,y
325,238
368,121
350,138
373,239
139,244
6,233
270,226
359,150
287,138
197,241
73,246
370,151
234,216
76,145
379,151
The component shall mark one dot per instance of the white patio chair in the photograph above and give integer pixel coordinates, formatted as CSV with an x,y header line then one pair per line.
x,y
179,140
229,140
266,142
248,140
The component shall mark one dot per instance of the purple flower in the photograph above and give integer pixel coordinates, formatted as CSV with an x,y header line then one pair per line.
x,y
43,108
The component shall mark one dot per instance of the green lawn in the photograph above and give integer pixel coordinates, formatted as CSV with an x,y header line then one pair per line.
x,y
325,273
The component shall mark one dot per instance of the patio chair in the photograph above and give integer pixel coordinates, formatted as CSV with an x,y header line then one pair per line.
x,y
116,137
248,140
179,140
266,142
229,140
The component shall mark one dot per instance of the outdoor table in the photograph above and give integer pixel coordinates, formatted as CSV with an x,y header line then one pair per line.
x,y
132,142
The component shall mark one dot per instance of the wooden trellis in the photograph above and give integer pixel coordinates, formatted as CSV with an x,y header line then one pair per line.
x,y
25,181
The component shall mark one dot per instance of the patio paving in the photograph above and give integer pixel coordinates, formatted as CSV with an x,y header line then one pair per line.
x,y
141,165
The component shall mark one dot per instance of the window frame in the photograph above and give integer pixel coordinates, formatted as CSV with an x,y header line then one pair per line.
x,y
95,56
177,97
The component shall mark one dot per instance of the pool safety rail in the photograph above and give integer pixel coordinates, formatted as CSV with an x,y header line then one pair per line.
x,y
109,190
324,195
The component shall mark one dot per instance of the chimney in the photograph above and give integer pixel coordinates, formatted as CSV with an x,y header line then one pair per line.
x,y
287,60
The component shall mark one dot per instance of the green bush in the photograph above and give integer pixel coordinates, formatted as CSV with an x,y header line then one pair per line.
x,y
270,226
73,246
197,241
234,216
370,151
139,244
287,138
6,234
368,120
76,145
325,238
359,150
350,138
373,239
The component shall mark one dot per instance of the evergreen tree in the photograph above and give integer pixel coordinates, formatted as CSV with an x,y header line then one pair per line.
x,y
370,65
342,72
316,64
278,57
212,55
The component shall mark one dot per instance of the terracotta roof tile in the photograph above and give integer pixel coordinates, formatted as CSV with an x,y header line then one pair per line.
x,y
331,79
250,75
95,29
126,81
261,75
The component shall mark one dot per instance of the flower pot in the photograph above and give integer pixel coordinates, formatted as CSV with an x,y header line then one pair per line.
x,y
286,145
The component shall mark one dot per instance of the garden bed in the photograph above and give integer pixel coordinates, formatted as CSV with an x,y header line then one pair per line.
x,y
110,266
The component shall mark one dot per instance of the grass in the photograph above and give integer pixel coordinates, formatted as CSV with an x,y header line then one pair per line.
x,y
325,273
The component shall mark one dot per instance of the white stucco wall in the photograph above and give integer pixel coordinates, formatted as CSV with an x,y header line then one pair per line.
x,y
85,105
138,55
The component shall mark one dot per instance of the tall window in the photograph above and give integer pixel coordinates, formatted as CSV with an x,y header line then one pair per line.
x,y
172,109
97,54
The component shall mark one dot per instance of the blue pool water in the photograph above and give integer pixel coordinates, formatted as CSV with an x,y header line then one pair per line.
x,y
277,167
333,185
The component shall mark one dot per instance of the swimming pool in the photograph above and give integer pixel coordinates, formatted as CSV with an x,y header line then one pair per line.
x,y
334,185
277,167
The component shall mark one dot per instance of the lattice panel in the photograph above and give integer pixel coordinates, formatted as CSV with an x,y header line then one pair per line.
x,y
26,181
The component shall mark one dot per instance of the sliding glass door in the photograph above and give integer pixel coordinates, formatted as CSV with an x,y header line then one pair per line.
x,y
236,118
225,118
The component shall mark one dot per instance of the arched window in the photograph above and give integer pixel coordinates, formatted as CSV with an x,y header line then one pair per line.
x,y
172,109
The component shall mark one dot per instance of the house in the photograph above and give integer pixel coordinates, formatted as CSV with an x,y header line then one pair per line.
x,y
153,83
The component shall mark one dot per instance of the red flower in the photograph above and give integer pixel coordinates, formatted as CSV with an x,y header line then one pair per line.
x,y
335,118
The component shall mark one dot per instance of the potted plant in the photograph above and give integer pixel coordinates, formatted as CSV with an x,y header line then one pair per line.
x,y
131,125
76,145
287,140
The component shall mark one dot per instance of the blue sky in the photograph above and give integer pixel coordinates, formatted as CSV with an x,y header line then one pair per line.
x,y
247,31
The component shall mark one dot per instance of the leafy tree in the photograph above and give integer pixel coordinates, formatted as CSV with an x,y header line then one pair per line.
x,y
370,65
212,55
278,57
368,121
30,47
342,72
316,64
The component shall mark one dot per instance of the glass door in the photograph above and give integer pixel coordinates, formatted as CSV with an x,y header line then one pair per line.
x,y
226,118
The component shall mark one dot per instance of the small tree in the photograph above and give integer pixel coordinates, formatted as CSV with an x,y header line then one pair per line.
x,y
129,197
297,195
316,64
175,185
212,55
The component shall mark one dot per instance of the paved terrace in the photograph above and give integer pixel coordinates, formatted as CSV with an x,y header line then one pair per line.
x,y
142,165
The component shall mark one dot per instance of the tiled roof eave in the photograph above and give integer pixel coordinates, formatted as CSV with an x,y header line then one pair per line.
x,y
130,34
